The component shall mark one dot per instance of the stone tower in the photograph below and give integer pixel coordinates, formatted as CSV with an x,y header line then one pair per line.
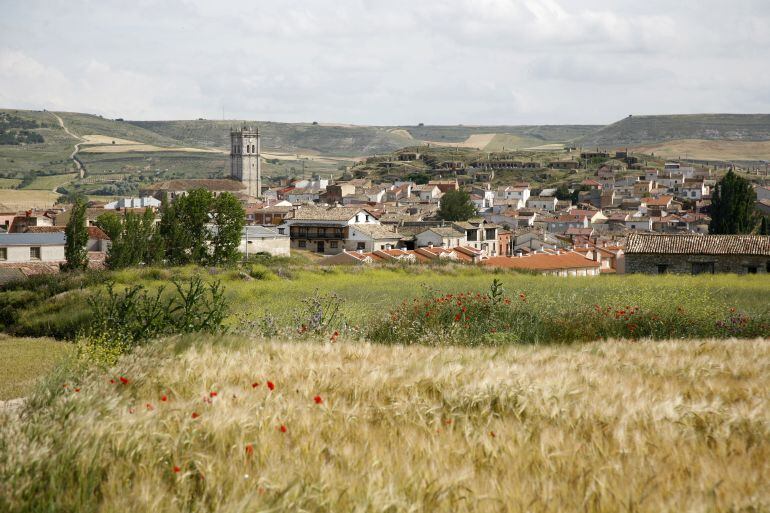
x,y
245,161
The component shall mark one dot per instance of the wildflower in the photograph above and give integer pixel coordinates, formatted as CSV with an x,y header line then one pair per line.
x,y
124,380
130,410
77,390
465,309
427,314
318,399
149,407
249,449
163,398
458,317
523,296
271,385
177,469
212,394
334,336
492,434
195,415
282,428
112,381
65,385
255,384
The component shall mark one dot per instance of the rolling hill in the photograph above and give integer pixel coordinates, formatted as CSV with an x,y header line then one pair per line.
x,y
649,130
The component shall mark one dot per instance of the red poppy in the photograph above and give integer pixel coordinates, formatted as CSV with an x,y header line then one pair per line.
x,y
458,317
212,394
249,449
282,428
318,399
112,381
195,415
271,385
149,407
177,469
124,380
163,398
77,390
255,384
130,410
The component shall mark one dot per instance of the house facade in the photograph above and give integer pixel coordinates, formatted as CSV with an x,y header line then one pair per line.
x,y
697,254
32,247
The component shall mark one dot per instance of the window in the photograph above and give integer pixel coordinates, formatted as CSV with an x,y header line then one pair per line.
x,y
333,244
302,244
751,270
662,268
3,253
361,246
34,253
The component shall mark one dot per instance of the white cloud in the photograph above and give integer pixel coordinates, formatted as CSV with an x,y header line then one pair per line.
x,y
367,61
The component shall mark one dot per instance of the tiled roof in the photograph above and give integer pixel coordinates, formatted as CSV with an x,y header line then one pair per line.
x,y
190,184
325,214
543,262
32,239
376,231
698,244
445,231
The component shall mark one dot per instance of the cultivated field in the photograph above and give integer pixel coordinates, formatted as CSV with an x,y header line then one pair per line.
x,y
235,424
106,144
24,199
50,182
709,150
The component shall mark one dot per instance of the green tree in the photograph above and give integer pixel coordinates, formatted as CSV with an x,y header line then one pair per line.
x,y
184,227
732,205
76,232
228,217
563,193
456,206
135,239
764,226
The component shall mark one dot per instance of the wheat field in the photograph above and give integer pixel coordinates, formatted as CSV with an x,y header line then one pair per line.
x,y
349,426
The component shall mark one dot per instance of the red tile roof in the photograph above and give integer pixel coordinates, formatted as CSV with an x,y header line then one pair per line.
x,y
543,262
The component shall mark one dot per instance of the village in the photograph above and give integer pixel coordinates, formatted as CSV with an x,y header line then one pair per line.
x,y
621,216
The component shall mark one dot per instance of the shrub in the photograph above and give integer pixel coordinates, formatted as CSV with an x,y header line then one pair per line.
x,y
125,319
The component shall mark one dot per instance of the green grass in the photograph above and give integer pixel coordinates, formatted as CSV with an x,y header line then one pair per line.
x,y
50,182
25,360
9,183
368,295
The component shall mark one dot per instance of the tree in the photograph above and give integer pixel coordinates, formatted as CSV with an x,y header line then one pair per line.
x,y
228,217
456,206
563,193
184,227
732,206
764,226
76,233
135,239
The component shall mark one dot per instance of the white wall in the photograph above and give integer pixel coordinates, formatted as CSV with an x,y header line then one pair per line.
x,y
47,254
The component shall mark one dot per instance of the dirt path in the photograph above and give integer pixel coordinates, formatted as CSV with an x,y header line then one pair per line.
x,y
78,165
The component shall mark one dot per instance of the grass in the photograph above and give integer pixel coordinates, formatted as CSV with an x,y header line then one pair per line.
x,y
9,183
50,182
24,361
368,295
600,427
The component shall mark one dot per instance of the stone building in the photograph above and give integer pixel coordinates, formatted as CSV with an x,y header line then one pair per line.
x,y
697,254
245,159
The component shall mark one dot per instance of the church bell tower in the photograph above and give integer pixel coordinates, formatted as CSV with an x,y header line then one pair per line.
x,y
245,160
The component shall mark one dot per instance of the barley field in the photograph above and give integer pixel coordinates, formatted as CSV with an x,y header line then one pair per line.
x,y
233,424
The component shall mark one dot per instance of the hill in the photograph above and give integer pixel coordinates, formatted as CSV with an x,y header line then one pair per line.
x,y
649,130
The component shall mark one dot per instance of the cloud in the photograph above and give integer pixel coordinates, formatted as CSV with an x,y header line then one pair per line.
x,y
396,62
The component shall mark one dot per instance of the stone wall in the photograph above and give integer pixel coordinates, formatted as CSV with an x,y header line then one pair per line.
x,y
683,264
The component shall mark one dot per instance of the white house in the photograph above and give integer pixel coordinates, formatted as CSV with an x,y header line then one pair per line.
x,y
32,247
547,203
519,194
440,236
260,239
142,202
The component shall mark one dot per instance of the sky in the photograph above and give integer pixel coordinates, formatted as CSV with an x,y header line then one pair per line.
x,y
394,62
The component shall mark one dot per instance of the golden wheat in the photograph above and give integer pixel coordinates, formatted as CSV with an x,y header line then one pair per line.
x,y
602,427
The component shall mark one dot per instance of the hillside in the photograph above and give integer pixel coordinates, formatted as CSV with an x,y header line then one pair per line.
x,y
648,130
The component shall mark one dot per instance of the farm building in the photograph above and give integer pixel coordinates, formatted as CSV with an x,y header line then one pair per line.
x,y
697,254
